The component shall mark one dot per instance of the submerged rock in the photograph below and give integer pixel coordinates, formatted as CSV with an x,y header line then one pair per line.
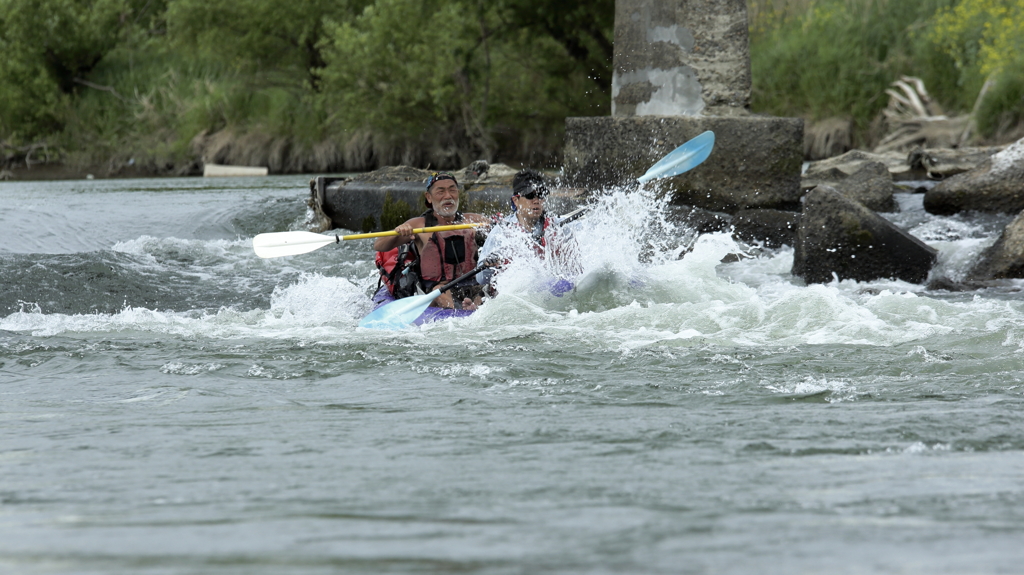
x,y
919,164
871,184
384,198
942,163
997,185
1005,258
697,219
770,228
842,237
853,161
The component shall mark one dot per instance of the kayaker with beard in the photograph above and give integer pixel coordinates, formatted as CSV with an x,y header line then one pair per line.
x,y
440,256
530,228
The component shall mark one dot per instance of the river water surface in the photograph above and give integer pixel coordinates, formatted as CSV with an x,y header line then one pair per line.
x,y
172,404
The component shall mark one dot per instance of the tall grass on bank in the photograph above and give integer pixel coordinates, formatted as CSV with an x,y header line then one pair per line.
x,y
825,58
837,57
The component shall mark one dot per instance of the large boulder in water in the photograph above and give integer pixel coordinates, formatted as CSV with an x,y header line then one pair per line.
x,y
1005,258
840,236
997,185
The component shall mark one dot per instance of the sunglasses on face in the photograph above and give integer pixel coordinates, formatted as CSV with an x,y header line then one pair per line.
x,y
534,194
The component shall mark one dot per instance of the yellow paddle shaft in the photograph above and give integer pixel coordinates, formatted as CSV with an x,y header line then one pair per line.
x,y
415,231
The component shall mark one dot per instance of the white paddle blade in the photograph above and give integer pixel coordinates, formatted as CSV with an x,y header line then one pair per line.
x,y
399,314
275,245
682,159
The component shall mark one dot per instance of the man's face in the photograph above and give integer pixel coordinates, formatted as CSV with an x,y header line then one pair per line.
x,y
530,208
444,196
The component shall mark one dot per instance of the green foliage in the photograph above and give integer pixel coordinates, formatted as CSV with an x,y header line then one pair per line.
x,y
106,78
277,41
984,39
836,57
50,47
583,29
1003,106
452,71
111,79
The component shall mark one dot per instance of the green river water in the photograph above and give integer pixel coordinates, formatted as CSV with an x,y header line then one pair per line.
x,y
172,404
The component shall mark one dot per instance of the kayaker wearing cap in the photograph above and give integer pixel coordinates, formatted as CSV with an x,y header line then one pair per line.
x,y
441,256
530,226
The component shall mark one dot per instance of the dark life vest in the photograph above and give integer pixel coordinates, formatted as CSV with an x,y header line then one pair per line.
x,y
398,270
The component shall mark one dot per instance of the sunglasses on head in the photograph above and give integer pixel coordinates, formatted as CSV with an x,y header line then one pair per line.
x,y
438,176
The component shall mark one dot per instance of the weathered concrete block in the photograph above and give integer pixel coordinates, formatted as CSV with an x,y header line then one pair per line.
x,y
680,57
770,228
755,164
838,235
698,220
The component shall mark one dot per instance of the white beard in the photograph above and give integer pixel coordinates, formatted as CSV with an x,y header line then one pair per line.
x,y
447,211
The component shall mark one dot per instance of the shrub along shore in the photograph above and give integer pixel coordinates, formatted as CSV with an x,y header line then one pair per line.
x,y
157,87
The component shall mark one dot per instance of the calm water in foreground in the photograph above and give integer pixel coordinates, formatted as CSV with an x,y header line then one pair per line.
x,y
171,404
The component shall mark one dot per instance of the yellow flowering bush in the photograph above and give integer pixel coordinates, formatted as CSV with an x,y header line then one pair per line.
x,y
987,35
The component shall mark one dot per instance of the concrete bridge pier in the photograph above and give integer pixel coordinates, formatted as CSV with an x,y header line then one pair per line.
x,y
682,67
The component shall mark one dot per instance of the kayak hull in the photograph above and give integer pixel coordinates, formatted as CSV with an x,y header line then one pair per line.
x,y
430,315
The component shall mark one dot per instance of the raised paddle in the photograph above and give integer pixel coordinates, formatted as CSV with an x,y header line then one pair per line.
x,y
682,159
401,313
277,244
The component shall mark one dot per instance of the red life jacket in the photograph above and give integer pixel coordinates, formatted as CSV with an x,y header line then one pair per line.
x,y
446,255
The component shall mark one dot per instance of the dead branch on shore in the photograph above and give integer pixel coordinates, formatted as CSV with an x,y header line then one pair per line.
x,y
13,155
915,120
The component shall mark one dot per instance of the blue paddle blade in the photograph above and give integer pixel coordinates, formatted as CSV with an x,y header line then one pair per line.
x,y
682,159
399,314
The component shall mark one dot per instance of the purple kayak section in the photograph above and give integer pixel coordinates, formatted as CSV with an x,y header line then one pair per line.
x,y
432,314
